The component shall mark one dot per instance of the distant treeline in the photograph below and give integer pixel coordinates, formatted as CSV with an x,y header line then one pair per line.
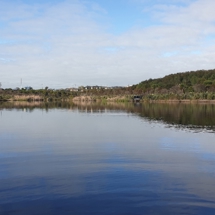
x,y
181,82
188,85
194,85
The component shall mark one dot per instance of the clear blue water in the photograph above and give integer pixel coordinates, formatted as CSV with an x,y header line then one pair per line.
x,y
107,160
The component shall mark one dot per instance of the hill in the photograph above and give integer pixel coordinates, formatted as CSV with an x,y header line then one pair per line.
x,y
188,85
198,81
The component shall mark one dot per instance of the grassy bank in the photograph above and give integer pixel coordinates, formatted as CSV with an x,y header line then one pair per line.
x,y
36,95
104,98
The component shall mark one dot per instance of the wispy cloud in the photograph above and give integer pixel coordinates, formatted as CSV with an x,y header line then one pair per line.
x,y
69,42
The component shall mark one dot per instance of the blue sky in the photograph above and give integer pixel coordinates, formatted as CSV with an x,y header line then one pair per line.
x,y
70,43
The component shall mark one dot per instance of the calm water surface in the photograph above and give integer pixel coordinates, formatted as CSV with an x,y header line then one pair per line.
x,y
107,159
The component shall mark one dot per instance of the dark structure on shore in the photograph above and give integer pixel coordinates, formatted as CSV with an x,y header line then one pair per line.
x,y
137,98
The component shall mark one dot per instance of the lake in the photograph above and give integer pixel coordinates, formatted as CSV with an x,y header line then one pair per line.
x,y
111,159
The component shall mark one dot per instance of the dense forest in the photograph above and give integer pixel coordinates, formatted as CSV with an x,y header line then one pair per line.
x,y
188,85
187,82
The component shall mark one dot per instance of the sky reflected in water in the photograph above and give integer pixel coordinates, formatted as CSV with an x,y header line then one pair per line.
x,y
106,159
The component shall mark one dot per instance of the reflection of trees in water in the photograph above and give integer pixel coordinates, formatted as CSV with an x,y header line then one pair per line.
x,y
180,115
30,106
100,107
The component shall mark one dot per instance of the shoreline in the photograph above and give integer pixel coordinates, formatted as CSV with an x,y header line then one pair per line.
x,y
127,99
105,98
185,101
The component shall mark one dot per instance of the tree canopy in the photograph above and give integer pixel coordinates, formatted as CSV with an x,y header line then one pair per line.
x,y
193,81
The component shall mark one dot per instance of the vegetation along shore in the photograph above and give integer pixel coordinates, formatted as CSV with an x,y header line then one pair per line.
x,y
194,86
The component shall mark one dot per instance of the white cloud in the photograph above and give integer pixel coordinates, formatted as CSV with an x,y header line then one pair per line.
x,y
63,44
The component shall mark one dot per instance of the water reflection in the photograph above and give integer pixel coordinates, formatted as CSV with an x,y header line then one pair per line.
x,y
66,158
196,117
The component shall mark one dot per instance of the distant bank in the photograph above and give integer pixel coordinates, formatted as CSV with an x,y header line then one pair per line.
x,y
194,86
